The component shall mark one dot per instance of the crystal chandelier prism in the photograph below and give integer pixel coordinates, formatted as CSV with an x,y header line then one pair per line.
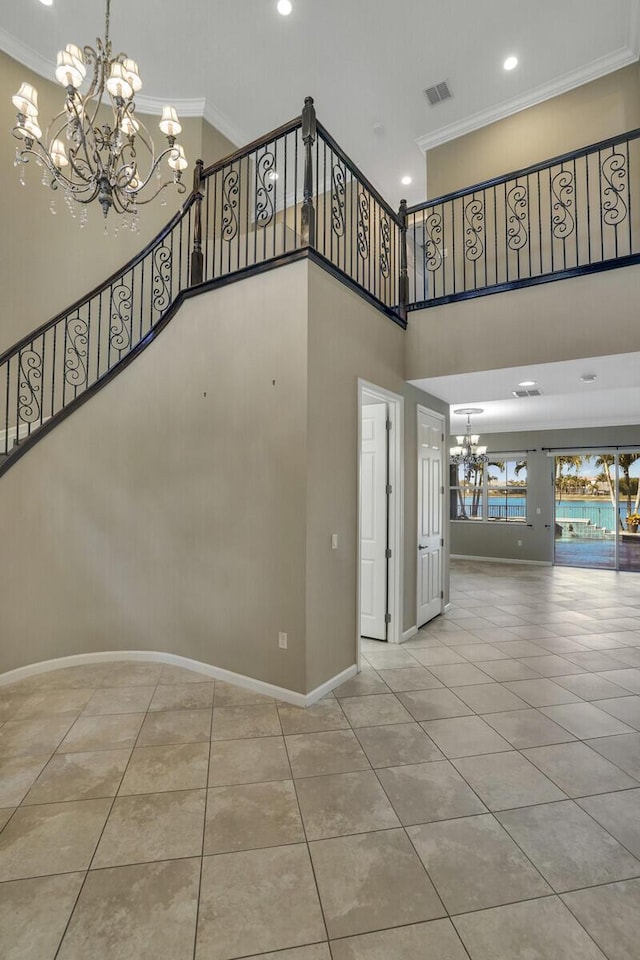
x,y
468,452
91,152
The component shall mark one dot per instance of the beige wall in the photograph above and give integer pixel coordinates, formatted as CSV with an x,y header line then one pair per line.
x,y
348,339
588,316
592,112
47,262
189,506
158,518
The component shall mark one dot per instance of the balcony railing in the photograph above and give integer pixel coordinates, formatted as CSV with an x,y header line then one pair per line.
x,y
571,215
295,193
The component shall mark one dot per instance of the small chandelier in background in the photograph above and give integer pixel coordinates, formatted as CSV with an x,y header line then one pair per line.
x,y
468,452
90,159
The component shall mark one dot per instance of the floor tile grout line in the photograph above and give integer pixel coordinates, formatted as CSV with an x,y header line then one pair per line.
x,y
88,870
581,924
204,833
306,840
493,814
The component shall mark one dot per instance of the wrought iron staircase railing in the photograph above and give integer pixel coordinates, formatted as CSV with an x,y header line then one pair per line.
x,y
571,215
295,193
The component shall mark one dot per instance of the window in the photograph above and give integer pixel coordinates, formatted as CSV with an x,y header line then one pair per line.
x,y
494,492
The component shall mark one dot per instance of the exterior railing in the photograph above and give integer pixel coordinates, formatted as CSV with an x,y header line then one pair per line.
x,y
574,214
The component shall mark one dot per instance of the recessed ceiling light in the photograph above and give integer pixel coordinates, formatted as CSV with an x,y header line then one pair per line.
x,y
46,3
527,383
588,378
284,7
510,63
405,181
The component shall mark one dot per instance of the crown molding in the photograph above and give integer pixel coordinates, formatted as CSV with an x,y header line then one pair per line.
x,y
194,107
25,55
568,81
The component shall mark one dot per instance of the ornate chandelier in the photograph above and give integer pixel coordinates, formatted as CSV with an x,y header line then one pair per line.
x,y
84,155
467,452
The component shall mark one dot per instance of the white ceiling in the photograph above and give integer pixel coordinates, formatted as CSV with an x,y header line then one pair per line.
x,y
613,398
367,63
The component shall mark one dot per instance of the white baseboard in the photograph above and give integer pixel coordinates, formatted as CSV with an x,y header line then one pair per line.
x,y
329,685
447,607
208,670
411,632
535,563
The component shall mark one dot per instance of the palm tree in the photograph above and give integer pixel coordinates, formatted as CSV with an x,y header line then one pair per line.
x,y
625,462
607,461
566,460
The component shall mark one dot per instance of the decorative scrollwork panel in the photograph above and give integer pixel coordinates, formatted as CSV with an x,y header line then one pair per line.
x,y
338,191
120,316
161,278
474,230
433,242
385,247
231,194
266,179
562,189
75,361
614,190
29,386
363,225
517,217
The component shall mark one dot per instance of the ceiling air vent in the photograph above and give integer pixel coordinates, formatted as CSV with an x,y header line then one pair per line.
x,y
438,93
526,393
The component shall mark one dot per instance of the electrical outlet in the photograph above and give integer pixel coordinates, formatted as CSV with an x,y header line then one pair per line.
x,y
282,641
519,544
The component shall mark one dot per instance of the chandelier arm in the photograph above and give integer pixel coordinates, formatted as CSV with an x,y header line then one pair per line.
x,y
178,184
59,178
84,144
157,161
86,180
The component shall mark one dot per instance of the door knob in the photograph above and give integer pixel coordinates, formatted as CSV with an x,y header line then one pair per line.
x,y
423,548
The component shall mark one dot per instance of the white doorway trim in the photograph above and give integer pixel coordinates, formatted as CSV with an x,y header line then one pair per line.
x,y
367,392
444,486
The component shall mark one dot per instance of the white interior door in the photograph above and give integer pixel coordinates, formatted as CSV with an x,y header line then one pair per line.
x,y
373,521
430,519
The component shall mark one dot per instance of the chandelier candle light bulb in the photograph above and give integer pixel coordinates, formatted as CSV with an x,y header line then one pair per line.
x,y
100,161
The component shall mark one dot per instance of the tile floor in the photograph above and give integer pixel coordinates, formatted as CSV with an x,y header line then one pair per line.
x,y
474,793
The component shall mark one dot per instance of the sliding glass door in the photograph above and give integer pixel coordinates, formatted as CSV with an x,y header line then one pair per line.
x,y
597,502
628,490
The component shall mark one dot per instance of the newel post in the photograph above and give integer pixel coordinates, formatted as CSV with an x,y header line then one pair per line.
x,y
308,218
403,286
197,262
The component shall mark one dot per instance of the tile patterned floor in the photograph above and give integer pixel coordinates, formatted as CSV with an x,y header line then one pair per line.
x,y
472,794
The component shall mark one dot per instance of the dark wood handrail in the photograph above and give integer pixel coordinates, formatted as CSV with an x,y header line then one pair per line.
x,y
251,147
326,136
120,272
527,171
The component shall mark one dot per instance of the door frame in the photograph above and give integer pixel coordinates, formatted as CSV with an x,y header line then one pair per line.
x,y
396,507
441,417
